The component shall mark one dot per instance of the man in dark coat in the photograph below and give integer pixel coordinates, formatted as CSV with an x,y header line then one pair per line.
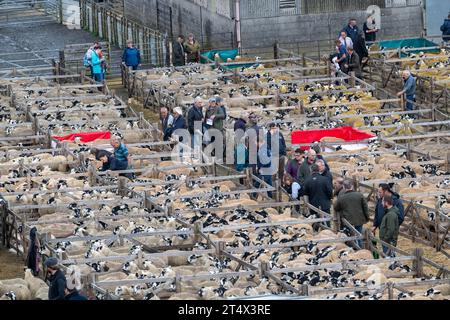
x,y
352,30
354,63
361,49
99,153
179,58
304,170
380,210
166,120
294,164
352,206
445,28
319,190
195,114
57,280
389,227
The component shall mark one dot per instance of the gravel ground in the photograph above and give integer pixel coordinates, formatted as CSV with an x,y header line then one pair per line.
x,y
38,36
11,265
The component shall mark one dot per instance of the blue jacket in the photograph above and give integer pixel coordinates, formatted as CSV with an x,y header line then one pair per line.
x,y
410,86
179,123
96,63
281,143
380,210
75,296
131,57
445,28
57,286
121,153
352,33
265,160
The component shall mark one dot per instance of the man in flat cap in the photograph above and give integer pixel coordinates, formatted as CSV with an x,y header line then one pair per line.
x,y
57,279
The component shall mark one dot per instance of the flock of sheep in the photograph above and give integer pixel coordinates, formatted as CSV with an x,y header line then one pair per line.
x,y
129,249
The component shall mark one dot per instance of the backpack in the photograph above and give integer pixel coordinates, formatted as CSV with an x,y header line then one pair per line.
x,y
86,61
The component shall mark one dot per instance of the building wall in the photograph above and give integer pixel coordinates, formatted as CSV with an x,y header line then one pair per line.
x,y
395,22
209,20
216,30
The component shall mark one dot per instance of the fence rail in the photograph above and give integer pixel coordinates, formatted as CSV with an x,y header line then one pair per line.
x,y
117,29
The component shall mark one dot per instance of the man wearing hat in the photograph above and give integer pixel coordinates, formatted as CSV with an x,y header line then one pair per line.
x,y
220,104
178,120
57,279
214,116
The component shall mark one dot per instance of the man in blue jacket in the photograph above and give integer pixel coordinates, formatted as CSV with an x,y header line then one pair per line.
x,y
445,28
409,89
57,280
131,56
380,211
352,30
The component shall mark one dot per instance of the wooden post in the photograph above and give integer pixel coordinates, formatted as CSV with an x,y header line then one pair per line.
x,y
408,151
82,75
220,247
277,99
418,262
147,202
437,220
92,175
390,287
248,178
275,50
304,63
197,228
336,221
140,260
168,210
213,167
447,163
305,290
352,79
122,186
366,235
263,268
402,102
302,107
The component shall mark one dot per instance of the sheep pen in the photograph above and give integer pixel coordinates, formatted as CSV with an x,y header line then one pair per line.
x,y
180,230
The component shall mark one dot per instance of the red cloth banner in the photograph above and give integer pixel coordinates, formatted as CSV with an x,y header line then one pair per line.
x,y
345,133
86,136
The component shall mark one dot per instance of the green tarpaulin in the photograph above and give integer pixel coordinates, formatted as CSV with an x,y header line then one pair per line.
x,y
410,44
224,56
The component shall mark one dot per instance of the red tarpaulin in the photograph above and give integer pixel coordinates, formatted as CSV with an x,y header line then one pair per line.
x,y
345,133
86,136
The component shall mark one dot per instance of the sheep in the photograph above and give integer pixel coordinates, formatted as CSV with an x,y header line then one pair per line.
x,y
34,284
20,290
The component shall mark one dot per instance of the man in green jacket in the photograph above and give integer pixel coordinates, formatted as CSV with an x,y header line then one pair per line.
x,y
214,116
389,225
304,171
352,205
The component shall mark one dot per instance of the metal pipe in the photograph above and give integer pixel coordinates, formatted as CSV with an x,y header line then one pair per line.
x,y
238,26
